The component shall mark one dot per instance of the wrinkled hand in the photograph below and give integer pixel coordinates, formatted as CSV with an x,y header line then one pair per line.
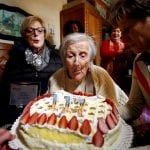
x,y
5,136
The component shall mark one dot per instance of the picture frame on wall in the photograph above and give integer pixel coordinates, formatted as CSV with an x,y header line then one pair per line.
x,y
10,21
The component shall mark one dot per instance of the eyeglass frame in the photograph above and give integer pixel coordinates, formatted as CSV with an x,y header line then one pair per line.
x,y
39,30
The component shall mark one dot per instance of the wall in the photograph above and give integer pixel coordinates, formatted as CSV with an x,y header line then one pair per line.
x,y
46,9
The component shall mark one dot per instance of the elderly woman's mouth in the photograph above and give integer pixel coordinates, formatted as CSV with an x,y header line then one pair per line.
x,y
77,71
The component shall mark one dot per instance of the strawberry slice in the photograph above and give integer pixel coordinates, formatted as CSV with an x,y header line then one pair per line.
x,y
115,111
33,118
63,122
109,101
42,119
25,117
85,127
75,93
73,123
80,93
115,119
98,139
52,119
110,122
102,126
88,94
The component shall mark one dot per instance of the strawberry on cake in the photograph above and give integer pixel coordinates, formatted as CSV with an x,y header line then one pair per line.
x,y
70,121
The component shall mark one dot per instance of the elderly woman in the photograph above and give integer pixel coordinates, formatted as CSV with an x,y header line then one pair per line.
x,y
32,61
79,74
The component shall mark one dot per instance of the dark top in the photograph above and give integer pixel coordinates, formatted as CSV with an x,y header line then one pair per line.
x,y
17,70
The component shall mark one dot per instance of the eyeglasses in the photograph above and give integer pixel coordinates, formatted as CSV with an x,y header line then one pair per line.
x,y
30,30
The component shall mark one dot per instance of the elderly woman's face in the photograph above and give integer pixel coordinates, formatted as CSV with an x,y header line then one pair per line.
x,y
35,35
77,60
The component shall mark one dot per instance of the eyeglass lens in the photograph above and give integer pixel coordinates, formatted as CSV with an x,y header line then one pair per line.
x,y
33,30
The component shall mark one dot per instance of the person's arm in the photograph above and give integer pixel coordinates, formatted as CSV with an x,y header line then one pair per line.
x,y
5,136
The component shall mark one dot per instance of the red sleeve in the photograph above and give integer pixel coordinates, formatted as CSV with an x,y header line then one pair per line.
x,y
107,50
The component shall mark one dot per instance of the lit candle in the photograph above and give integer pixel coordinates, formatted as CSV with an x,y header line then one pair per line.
x,y
67,98
54,98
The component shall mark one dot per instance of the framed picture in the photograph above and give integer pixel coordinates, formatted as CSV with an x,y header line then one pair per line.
x,y
22,92
10,21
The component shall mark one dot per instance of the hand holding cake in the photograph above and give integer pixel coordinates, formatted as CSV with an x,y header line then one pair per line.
x,y
5,136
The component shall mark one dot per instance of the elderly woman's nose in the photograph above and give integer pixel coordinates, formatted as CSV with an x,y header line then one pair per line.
x,y
76,60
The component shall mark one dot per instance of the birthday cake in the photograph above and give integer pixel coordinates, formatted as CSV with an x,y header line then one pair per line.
x,y
69,121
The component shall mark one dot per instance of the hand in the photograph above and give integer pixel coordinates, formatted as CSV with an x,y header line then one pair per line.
x,y
5,136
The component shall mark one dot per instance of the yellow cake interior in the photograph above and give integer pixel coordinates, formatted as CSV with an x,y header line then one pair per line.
x,y
54,135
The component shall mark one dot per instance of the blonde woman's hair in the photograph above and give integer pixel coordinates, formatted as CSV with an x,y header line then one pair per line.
x,y
28,21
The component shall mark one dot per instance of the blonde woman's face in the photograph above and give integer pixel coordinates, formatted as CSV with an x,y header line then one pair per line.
x,y
77,60
35,35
